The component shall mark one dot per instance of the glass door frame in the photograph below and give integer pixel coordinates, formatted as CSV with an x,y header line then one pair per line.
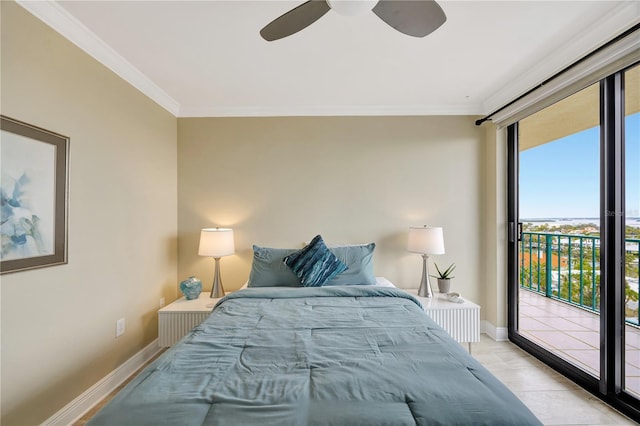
x,y
610,385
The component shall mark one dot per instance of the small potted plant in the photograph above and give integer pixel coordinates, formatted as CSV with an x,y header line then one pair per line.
x,y
444,278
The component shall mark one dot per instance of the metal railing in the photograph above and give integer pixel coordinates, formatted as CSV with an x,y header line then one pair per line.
x,y
566,267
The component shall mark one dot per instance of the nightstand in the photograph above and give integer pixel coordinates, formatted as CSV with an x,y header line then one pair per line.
x,y
178,318
460,320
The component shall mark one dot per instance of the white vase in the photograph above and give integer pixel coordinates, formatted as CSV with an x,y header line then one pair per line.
x,y
444,285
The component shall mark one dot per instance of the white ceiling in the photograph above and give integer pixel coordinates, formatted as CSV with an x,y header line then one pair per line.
x,y
206,58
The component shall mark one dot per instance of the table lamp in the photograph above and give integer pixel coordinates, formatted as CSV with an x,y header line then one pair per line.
x,y
425,240
216,242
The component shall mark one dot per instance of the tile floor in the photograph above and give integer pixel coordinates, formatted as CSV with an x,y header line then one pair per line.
x,y
574,334
554,399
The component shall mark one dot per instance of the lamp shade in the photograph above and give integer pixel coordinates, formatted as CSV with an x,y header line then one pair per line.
x,y
425,240
216,242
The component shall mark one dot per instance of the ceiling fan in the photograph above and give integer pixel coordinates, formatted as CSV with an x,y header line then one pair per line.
x,y
416,18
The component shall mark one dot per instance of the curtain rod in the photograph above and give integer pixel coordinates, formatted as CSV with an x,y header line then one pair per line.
x,y
587,56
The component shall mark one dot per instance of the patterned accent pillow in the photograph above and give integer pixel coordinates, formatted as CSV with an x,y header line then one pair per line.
x,y
314,264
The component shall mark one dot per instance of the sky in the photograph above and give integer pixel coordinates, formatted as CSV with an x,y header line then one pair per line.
x,y
561,178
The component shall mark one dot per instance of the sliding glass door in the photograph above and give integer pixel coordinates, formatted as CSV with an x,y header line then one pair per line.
x,y
632,230
558,250
574,237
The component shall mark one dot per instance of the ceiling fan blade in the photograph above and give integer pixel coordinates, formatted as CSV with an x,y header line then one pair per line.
x,y
295,20
412,17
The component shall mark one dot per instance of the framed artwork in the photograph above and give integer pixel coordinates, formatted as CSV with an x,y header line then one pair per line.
x,y
33,196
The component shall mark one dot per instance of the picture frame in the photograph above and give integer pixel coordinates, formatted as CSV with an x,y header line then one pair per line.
x,y
34,173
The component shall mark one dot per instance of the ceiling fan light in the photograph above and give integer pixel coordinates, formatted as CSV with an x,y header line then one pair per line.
x,y
352,7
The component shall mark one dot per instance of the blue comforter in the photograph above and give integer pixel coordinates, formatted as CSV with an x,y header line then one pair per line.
x,y
316,356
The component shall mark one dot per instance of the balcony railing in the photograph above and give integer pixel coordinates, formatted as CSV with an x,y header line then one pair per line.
x,y
567,267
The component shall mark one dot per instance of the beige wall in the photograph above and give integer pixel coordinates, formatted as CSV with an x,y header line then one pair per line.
x,y
58,323
276,181
494,221
280,181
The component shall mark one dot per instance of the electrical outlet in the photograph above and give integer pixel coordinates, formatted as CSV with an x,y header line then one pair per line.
x,y
120,327
161,302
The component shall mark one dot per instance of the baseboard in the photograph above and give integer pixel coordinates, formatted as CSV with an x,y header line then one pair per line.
x,y
96,393
499,334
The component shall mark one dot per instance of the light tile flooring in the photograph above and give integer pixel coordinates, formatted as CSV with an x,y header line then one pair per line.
x,y
554,399
574,334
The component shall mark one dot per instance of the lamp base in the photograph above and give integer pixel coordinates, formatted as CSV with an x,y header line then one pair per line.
x,y
217,290
425,283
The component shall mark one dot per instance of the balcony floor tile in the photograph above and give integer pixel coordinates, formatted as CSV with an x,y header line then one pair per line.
x,y
573,334
528,323
592,338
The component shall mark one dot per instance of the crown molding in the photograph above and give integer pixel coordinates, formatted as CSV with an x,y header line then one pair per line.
x,y
616,56
619,19
328,110
63,22
58,18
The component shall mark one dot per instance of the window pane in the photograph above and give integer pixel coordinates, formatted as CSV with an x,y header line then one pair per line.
x,y
559,204
632,229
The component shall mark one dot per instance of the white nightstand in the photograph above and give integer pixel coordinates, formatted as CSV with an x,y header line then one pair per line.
x,y
178,318
460,320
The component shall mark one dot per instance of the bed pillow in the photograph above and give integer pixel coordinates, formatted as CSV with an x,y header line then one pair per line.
x,y
380,282
359,261
268,270
315,264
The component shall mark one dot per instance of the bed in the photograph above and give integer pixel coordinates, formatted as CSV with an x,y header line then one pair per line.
x,y
339,354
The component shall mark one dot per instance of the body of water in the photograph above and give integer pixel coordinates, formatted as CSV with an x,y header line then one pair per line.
x,y
630,221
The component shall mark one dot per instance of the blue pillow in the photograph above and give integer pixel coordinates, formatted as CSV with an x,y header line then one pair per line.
x,y
268,270
359,261
315,264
